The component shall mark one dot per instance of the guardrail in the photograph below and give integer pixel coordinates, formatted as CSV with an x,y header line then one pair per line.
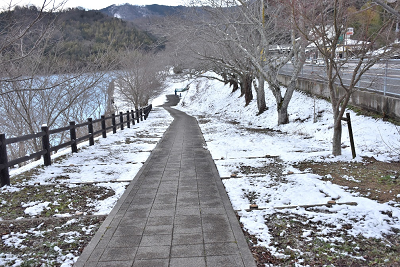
x,y
383,77
130,117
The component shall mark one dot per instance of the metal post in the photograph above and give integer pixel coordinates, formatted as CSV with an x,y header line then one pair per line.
x,y
90,130
72,133
4,174
46,145
103,126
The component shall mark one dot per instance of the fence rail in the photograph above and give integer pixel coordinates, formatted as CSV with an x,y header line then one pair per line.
x,y
130,118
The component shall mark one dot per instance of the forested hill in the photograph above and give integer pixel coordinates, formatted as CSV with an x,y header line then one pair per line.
x,y
87,32
130,12
75,35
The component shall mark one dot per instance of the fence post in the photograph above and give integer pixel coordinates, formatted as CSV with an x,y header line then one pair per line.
x,y
353,148
72,133
103,126
121,120
4,174
141,114
90,130
137,115
133,117
46,145
128,122
113,123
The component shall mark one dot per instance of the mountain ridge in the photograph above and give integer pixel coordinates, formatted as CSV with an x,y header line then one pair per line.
x,y
131,12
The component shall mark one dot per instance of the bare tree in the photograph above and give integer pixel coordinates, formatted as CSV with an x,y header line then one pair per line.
x,y
346,60
36,88
253,29
140,78
22,37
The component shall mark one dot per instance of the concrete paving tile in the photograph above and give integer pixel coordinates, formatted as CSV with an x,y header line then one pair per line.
x,y
155,252
188,181
163,206
167,190
218,236
140,199
156,240
125,241
190,261
213,211
187,229
91,264
132,221
188,211
109,232
188,175
215,227
195,250
151,263
187,239
146,191
160,220
128,230
188,194
211,204
218,249
158,229
119,254
187,219
192,189
214,218
168,198
103,242
224,261
96,254
115,264
138,212
171,173
155,213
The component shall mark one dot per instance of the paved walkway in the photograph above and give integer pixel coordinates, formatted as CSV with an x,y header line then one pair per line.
x,y
174,213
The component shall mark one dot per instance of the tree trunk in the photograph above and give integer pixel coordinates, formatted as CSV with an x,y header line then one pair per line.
x,y
337,138
248,95
245,88
234,85
261,95
283,117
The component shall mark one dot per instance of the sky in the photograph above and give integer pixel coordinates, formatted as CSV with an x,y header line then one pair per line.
x,y
96,4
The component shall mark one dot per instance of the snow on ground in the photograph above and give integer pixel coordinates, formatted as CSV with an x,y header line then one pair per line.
x,y
112,163
236,137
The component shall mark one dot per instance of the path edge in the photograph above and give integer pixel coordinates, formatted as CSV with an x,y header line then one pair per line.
x,y
87,251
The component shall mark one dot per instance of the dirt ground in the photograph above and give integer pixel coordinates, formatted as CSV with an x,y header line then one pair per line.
x,y
371,179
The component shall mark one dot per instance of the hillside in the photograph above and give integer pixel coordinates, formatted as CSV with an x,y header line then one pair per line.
x,y
133,12
87,33
75,36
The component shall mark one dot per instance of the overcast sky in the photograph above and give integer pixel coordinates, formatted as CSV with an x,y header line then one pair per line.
x,y
96,4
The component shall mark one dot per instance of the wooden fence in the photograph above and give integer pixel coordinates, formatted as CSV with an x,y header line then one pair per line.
x,y
130,118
